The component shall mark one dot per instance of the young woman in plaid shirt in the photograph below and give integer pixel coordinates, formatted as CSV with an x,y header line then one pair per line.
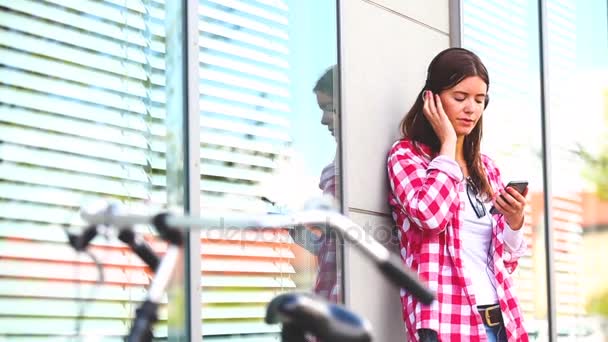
x,y
442,188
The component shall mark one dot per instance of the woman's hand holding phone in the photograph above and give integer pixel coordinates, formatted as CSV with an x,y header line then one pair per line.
x,y
511,203
435,114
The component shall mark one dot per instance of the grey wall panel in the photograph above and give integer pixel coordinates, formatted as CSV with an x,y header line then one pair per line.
x,y
383,69
368,294
385,48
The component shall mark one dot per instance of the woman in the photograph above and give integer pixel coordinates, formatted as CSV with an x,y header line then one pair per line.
x,y
318,240
327,283
442,188
324,92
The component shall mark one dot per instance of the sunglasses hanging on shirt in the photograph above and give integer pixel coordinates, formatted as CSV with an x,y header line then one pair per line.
x,y
476,203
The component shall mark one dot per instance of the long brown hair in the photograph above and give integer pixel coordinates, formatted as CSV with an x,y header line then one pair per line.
x,y
446,70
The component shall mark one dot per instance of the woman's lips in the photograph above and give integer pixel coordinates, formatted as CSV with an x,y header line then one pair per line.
x,y
466,121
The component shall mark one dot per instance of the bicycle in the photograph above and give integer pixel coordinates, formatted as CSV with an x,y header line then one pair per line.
x,y
299,313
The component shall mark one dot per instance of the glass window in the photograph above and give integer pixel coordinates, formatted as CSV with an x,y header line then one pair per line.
x,y
505,36
269,127
577,42
82,108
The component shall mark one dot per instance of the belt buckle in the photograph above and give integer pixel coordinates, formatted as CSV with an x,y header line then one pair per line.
x,y
487,316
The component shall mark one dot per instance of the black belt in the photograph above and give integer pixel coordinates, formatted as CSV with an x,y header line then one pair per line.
x,y
490,314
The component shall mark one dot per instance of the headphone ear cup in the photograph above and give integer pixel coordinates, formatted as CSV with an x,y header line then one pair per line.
x,y
486,101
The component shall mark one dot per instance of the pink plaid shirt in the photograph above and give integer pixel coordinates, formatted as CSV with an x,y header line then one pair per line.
x,y
427,209
327,284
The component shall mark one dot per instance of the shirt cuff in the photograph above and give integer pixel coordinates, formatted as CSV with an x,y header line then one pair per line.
x,y
447,165
513,238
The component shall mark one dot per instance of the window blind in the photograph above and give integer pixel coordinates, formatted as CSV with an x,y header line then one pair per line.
x,y
82,104
245,118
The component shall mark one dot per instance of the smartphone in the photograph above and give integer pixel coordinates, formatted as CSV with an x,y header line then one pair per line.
x,y
519,186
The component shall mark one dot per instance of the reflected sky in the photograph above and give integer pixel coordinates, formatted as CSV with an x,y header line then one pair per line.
x,y
314,49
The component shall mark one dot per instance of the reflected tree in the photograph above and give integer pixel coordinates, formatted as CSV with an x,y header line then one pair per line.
x,y
596,169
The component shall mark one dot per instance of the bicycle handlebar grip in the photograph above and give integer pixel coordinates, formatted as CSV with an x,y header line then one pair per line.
x,y
81,242
394,269
308,313
145,317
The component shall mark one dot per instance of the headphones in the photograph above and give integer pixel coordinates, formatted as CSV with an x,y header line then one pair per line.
x,y
428,84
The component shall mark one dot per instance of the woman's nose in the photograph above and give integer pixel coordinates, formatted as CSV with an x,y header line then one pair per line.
x,y
327,118
469,106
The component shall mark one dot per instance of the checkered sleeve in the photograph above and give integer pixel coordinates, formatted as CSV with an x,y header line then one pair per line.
x,y
425,191
512,254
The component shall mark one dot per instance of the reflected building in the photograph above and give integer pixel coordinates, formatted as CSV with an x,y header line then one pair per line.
x,y
245,101
249,163
505,35
501,34
82,105
566,191
245,109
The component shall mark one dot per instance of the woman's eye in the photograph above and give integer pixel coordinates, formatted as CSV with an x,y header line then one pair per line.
x,y
459,99
479,101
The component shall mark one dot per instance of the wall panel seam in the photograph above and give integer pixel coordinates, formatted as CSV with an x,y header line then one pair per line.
x,y
416,21
368,212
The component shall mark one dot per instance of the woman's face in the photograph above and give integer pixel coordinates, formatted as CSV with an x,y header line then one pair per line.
x,y
326,104
464,104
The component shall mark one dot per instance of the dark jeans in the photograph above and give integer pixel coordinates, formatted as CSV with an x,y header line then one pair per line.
x,y
496,333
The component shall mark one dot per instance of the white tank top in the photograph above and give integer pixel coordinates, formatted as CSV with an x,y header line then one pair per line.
x,y
476,238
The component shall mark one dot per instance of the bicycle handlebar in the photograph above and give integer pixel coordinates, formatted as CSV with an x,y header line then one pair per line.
x,y
390,265
303,312
298,312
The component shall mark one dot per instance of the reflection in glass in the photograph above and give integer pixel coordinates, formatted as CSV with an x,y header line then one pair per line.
x,y
327,283
578,107
265,148
82,109
505,36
